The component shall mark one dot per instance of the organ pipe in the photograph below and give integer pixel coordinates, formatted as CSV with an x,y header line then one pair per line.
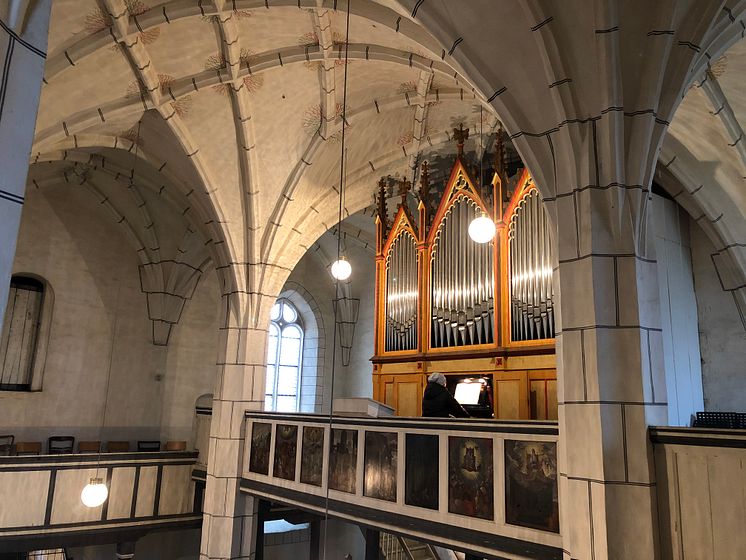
x,y
530,271
460,274
462,281
401,294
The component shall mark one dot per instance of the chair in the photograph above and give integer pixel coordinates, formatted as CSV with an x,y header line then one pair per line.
x,y
60,445
175,446
6,445
117,446
89,447
28,448
148,445
721,420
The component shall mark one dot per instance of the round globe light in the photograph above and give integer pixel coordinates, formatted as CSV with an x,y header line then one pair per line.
x,y
482,229
95,493
341,269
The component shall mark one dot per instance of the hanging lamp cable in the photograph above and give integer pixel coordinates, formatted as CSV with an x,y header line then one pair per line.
x,y
337,281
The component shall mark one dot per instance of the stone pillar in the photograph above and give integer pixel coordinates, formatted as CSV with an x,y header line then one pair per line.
x,y
612,382
23,42
126,550
372,544
230,517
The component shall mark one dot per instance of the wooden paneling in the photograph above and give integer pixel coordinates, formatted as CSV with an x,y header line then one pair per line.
x,y
23,498
409,398
508,399
552,399
120,493
389,392
18,339
512,389
701,501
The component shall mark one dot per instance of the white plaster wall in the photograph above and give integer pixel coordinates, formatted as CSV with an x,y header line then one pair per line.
x,y
357,379
678,312
190,362
100,317
721,333
311,272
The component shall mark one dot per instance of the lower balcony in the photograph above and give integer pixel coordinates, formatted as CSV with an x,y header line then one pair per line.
x,y
41,503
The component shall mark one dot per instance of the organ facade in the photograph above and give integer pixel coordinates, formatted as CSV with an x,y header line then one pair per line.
x,y
481,313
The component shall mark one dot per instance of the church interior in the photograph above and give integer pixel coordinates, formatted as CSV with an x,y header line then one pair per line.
x,y
245,241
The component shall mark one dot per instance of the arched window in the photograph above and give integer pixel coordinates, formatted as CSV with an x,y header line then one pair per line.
x,y
284,358
21,333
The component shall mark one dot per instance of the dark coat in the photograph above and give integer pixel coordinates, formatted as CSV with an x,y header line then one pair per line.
x,y
438,402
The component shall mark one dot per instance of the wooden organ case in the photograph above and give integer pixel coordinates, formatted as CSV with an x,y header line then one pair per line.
x,y
477,312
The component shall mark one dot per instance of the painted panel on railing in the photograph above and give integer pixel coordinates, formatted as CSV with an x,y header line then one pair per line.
x,y
343,461
422,471
380,465
531,497
312,460
261,439
286,444
471,477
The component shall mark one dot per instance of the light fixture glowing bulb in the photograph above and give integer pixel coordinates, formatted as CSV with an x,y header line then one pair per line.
x,y
482,229
95,493
341,269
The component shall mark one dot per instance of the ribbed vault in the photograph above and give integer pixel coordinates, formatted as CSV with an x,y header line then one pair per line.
x,y
240,104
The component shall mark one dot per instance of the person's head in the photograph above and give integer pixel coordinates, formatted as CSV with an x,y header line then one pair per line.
x,y
438,378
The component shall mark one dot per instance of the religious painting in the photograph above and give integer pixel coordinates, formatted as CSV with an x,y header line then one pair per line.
x,y
471,477
312,457
286,444
421,471
261,439
380,465
531,484
343,460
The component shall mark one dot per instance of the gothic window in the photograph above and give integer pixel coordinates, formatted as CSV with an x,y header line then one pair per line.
x,y
284,358
20,334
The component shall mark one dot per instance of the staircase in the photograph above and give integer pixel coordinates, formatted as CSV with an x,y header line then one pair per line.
x,y
401,548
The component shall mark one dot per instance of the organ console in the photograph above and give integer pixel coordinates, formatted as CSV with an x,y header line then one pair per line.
x,y
470,310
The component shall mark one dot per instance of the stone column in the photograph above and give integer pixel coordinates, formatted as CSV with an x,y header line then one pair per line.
x,y
230,517
23,43
609,359
126,550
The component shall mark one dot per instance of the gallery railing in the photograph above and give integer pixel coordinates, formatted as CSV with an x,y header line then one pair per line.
x,y
701,484
40,497
476,486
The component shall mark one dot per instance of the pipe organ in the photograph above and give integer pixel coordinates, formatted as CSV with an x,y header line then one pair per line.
x,y
530,253
462,281
401,294
479,312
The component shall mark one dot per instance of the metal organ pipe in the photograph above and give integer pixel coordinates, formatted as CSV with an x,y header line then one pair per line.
x,y
531,291
462,278
401,294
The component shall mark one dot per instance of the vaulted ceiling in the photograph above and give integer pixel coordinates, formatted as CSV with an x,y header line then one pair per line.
x,y
226,115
